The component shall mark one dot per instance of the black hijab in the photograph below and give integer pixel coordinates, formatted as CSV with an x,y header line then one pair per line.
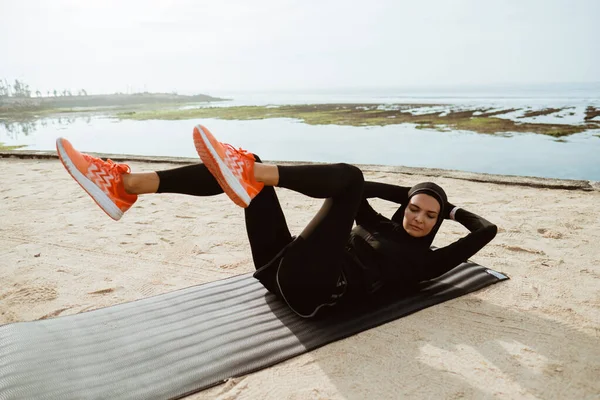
x,y
437,193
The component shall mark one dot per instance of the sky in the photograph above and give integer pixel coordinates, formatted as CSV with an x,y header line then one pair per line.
x,y
198,46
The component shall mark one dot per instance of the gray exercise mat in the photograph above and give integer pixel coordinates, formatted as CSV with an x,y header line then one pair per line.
x,y
173,345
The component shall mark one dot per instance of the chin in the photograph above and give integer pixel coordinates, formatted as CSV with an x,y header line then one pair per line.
x,y
414,233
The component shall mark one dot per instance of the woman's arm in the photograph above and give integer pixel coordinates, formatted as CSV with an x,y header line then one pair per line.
x,y
443,260
385,191
366,215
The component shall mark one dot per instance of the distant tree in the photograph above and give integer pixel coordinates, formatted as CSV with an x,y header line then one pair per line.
x,y
48,93
69,93
84,92
25,90
55,93
8,87
38,93
17,88
21,89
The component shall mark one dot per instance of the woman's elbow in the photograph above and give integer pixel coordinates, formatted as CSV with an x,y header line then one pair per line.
x,y
491,230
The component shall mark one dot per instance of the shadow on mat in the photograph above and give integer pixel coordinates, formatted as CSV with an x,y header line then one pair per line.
x,y
517,351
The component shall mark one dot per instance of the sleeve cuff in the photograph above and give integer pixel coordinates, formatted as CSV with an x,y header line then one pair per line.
x,y
453,213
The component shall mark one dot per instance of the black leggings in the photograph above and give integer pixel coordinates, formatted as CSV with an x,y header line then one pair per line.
x,y
326,234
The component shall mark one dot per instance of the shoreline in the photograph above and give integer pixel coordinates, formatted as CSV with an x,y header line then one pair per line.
x,y
511,180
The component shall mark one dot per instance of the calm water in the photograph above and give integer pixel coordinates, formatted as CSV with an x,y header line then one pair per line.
x,y
574,157
549,95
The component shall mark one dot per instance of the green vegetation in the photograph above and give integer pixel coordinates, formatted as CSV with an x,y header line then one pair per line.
x,y
366,115
545,111
8,148
591,112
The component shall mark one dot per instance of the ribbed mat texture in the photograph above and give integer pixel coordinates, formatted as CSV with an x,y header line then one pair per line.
x,y
172,345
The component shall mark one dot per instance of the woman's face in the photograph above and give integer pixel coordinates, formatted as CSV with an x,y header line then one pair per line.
x,y
421,215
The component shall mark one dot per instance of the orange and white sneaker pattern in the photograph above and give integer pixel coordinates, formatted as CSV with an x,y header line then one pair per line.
x,y
102,180
232,168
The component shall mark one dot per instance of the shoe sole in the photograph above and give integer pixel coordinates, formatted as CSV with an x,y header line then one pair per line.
x,y
228,182
101,198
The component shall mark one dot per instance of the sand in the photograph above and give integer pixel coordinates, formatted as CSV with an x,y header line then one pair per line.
x,y
535,336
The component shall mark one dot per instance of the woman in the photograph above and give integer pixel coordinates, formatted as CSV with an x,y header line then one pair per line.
x,y
329,261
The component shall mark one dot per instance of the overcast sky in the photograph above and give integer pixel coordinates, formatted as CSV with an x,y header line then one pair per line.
x,y
245,45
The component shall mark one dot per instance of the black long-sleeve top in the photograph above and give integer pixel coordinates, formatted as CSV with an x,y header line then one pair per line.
x,y
383,253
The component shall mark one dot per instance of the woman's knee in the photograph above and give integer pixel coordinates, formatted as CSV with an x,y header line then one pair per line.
x,y
352,174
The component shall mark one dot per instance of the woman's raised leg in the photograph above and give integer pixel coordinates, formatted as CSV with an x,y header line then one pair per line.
x,y
267,229
266,226
242,179
115,189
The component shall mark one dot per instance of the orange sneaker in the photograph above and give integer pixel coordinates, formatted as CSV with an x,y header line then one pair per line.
x,y
233,169
103,180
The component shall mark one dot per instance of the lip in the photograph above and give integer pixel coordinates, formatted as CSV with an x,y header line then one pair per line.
x,y
416,228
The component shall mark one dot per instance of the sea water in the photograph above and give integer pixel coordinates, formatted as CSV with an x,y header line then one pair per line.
x,y
573,157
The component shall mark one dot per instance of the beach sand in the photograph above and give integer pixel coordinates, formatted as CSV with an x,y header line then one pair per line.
x,y
534,336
